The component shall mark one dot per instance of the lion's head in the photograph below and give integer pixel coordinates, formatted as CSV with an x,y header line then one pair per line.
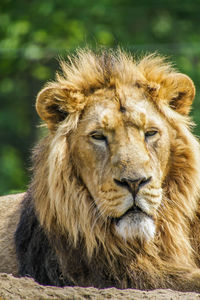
x,y
120,156
121,152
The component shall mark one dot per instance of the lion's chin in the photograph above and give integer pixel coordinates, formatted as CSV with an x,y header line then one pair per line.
x,y
135,225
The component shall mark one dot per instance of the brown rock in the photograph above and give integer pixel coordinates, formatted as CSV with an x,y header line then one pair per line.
x,y
12,288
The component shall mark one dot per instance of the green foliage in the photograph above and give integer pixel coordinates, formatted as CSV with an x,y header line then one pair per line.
x,y
33,34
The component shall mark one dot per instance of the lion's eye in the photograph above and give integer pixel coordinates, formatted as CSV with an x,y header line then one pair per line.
x,y
98,136
150,133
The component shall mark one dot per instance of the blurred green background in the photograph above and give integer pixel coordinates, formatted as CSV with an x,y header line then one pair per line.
x,y
34,33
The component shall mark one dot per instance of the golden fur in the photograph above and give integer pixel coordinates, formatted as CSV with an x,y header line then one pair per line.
x,y
66,204
142,108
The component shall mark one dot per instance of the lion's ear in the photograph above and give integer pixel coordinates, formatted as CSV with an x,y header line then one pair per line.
x,y
180,92
54,103
50,105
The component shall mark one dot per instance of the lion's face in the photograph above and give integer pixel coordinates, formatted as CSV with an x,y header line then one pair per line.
x,y
121,150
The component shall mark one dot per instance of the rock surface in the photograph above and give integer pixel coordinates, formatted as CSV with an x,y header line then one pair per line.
x,y
12,288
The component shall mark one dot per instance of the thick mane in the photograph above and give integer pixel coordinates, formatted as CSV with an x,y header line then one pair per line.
x,y
88,71
180,196
61,199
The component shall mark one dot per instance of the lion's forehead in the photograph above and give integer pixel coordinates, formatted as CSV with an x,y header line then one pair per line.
x,y
108,113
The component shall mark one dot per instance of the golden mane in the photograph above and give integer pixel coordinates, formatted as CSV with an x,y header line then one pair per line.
x,y
61,199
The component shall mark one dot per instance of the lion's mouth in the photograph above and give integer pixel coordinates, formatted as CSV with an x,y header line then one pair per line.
x,y
133,210
135,223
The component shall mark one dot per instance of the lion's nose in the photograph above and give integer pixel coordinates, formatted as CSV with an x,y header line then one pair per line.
x,y
133,185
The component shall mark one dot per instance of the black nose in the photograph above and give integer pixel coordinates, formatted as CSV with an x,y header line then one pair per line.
x,y
133,185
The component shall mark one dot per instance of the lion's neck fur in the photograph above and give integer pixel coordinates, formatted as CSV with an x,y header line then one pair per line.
x,y
181,194
64,205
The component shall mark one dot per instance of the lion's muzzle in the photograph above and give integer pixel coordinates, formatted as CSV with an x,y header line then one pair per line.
x,y
135,222
133,184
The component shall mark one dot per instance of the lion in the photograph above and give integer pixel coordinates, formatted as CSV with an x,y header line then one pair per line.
x,y
114,196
